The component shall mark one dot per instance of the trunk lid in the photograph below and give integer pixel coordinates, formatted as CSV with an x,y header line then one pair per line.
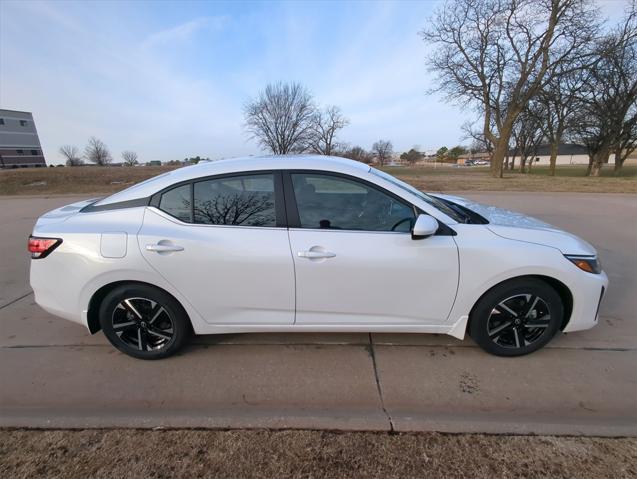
x,y
63,213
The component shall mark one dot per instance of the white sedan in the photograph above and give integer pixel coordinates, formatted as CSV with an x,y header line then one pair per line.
x,y
307,243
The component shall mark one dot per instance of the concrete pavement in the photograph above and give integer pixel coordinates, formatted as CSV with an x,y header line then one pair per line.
x,y
54,374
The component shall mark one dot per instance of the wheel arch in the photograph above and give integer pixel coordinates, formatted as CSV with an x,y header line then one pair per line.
x,y
92,316
562,290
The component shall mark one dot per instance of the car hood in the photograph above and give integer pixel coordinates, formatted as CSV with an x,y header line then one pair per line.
x,y
517,226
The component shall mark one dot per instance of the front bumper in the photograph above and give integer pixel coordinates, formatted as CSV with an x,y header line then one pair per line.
x,y
588,293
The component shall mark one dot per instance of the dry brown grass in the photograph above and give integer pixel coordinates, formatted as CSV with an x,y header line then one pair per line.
x,y
96,181
252,453
568,179
89,180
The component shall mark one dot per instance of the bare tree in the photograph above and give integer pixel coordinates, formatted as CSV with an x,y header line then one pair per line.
x,y
498,54
556,108
358,153
281,118
383,151
130,158
626,68
607,115
97,152
527,136
325,125
478,141
236,209
72,155
412,156
626,141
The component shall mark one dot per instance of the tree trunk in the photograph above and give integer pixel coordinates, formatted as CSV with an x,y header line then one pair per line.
x,y
522,163
596,166
598,161
590,165
619,161
553,159
499,152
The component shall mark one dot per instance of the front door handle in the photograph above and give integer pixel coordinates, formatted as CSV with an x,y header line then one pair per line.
x,y
163,248
315,254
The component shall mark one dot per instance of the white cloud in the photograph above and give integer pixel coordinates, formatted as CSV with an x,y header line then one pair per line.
x,y
183,31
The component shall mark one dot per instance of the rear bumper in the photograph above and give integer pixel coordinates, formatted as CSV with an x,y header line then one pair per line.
x,y
55,300
588,294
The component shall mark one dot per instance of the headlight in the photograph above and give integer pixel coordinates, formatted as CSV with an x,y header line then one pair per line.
x,y
590,264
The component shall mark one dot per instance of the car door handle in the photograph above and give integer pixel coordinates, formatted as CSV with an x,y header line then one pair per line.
x,y
315,254
161,248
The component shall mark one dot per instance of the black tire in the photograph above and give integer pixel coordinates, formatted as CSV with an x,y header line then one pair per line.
x,y
144,322
516,317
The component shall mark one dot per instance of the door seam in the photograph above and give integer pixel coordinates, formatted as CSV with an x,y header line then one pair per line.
x,y
294,271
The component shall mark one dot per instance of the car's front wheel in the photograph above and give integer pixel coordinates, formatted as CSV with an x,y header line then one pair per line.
x,y
516,317
144,322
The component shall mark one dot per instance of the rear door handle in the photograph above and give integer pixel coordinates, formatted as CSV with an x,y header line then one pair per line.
x,y
315,254
161,248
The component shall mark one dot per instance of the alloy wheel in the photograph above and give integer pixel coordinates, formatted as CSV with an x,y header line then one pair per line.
x,y
518,321
143,324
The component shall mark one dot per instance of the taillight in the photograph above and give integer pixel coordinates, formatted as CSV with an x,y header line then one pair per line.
x,y
42,247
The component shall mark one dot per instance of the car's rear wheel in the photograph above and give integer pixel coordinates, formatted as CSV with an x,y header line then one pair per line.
x,y
516,317
144,322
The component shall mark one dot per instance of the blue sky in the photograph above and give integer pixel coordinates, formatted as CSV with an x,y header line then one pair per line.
x,y
169,79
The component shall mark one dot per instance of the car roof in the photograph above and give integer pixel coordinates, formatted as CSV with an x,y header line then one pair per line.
x,y
237,165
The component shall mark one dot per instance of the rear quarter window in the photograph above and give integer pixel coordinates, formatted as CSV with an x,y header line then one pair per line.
x,y
177,203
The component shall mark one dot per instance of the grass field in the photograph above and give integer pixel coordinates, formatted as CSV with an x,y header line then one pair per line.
x,y
254,453
95,180
568,178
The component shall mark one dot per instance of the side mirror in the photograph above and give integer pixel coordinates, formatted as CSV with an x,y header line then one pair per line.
x,y
424,227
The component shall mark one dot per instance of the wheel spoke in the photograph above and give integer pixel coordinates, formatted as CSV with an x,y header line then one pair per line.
x,y
542,322
158,333
503,327
125,326
530,306
519,337
139,338
157,311
504,310
143,340
129,305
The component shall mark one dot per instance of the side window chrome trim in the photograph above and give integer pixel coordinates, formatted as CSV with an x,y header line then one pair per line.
x,y
334,230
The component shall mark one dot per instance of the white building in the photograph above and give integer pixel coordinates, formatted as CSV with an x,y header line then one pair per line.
x,y
567,154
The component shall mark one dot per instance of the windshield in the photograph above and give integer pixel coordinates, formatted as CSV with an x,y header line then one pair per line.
x,y
435,202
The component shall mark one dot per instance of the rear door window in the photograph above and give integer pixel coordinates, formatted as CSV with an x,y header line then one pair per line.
x,y
246,200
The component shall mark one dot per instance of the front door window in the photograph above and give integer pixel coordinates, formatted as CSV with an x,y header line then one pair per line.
x,y
333,202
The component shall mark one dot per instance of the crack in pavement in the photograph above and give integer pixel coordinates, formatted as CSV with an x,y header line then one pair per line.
x,y
378,386
13,301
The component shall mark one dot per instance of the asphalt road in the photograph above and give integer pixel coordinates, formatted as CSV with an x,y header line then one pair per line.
x,y
53,373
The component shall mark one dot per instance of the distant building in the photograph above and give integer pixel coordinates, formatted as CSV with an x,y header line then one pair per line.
x,y
19,142
567,154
